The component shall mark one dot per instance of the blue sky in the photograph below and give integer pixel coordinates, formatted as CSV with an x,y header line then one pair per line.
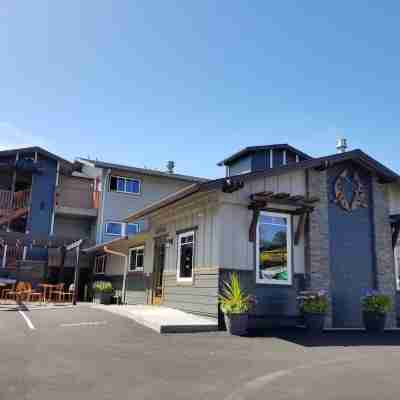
x,y
143,82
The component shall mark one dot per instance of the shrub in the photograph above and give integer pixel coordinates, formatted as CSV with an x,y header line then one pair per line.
x,y
314,302
102,287
376,302
233,300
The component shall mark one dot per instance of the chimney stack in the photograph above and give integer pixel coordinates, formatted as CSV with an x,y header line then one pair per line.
x,y
341,145
170,167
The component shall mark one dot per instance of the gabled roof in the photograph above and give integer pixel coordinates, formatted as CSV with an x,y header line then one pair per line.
x,y
357,156
251,149
36,149
143,171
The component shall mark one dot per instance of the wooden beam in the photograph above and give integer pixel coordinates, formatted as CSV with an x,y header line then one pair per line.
x,y
253,225
300,228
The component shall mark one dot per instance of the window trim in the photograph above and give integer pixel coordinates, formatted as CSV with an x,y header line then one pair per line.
x,y
191,232
121,223
396,254
131,250
125,179
104,257
289,243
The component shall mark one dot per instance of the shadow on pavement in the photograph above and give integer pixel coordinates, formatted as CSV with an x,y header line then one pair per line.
x,y
332,337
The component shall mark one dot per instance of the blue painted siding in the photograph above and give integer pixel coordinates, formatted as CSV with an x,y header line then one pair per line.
x,y
259,161
352,260
278,158
42,197
240,166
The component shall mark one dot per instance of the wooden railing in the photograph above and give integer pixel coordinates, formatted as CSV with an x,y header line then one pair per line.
x,y
77,198
10,201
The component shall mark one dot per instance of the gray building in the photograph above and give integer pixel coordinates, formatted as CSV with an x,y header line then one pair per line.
x,y
298,223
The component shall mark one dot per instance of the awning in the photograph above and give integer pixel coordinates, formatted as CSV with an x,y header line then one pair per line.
x,y
122,244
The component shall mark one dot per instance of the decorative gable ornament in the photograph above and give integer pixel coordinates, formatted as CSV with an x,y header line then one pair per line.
x,y
350,193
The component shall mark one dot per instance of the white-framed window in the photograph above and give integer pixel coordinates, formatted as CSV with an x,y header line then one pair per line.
x,y
100,264
115,229
397,265
136,258
185,261
274,249
123,184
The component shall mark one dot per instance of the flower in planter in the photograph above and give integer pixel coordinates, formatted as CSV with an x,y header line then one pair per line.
x,y
313,302
233,299
376,302
102,287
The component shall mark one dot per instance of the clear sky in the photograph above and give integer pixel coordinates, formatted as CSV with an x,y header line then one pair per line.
x,y
143,82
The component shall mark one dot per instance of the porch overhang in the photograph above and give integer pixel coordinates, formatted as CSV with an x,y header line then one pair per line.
x,y
280,202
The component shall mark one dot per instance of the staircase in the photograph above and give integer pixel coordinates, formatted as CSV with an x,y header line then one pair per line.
x,y
13,205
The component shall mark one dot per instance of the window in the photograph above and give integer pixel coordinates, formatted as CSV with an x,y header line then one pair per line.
x,y
397,265
136,258
132,229
274,249
100,264
185,256
122,184
114,228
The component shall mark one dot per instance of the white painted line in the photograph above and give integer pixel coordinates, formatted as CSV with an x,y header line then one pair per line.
x,y
27,320
84,324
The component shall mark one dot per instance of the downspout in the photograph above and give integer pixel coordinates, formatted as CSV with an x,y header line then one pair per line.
x,y
103,200
125,256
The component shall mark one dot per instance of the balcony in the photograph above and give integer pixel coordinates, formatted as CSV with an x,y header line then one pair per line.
x,y
13,205
76,197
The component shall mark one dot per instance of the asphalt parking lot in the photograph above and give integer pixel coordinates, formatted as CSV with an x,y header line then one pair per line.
x,y
84,353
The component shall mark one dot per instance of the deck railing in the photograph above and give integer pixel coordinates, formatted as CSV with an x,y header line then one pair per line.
x,y
10,201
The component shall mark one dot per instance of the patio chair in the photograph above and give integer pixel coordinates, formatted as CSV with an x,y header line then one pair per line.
x,y
68,296
33,294
17,293
58,292
4,292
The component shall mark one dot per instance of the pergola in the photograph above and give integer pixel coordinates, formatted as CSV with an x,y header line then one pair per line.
x,y
281,202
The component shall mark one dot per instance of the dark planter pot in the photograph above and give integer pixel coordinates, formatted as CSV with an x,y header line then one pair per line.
x,y
314,322
237,324
374,322
103,298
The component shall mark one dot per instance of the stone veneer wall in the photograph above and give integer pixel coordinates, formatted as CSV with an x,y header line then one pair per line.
x,y
317,241
383,248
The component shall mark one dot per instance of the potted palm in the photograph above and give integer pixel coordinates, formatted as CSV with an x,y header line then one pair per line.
x,y
103,292
375,307
314,306
235,304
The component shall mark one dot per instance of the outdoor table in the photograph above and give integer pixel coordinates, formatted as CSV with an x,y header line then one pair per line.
x,y
47,287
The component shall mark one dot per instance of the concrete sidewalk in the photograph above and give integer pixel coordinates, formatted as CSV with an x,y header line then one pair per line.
x,y
163,319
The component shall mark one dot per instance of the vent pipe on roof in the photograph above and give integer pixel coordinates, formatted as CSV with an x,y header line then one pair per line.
x,y
341,145
170,167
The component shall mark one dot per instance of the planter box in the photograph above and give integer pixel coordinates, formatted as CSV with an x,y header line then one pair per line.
x,y
314,322
103,298
237,324
374,322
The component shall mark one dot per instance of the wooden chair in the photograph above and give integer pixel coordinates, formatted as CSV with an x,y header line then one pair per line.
x,y
58,292
17,293
6,290
32,295
68,296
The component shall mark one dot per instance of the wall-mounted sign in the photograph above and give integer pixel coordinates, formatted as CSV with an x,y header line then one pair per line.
x,y
350,192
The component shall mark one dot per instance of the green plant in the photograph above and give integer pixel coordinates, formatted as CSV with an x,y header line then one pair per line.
x,y
102,287
376,302
314,303
233,299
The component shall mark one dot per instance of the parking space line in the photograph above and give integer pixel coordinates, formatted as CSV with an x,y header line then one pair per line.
x,y
84,324
27,320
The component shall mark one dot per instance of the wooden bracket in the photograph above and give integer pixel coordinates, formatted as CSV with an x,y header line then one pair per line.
x,y
253,225
300,228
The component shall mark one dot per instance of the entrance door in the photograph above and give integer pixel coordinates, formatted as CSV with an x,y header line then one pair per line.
x,y
159,263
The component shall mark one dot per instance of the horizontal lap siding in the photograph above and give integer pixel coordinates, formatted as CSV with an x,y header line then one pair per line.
x,y
135,288
199,298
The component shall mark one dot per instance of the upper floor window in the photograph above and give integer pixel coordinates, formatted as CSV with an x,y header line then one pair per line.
x,y
115,228
136,258
185,256
122,184
100,264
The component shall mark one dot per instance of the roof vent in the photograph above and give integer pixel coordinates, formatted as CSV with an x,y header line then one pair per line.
x,y
170,167
341,145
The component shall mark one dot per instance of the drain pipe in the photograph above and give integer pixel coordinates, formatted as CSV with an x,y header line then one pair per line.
x,y
125,256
